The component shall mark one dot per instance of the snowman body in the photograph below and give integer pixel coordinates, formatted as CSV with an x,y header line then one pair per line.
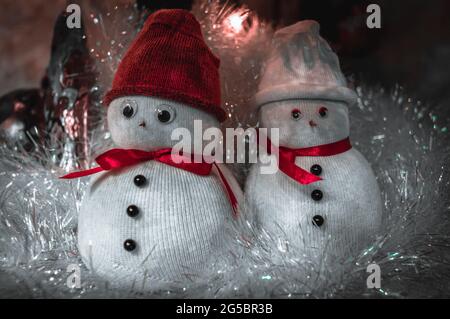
x,y
324,222
179,224
151,223
333,228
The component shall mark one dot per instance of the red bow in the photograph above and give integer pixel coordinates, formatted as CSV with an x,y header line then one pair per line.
x,y
286,160
119,158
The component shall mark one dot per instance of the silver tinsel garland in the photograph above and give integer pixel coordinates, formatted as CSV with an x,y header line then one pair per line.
x,y
406,143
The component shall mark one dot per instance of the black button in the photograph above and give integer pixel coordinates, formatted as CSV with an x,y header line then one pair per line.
x,y
132,211
318,220
139,180
316,169
316,195
129,245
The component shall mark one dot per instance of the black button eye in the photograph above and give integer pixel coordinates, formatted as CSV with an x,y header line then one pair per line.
x,y
296,114
129,108
323,111
128,111
165,114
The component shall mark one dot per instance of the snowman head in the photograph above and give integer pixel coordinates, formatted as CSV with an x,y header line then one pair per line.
x,y
305,123
146,123
302,90
167,79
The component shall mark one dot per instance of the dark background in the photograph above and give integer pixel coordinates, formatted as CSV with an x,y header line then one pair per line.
x,y
412,48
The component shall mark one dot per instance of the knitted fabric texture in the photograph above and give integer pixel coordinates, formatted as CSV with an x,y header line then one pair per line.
x,y
302,65
350,209
169,59
179,229
181,217
324,223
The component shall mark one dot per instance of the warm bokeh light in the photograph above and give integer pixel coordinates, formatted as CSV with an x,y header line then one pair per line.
x,y
235,21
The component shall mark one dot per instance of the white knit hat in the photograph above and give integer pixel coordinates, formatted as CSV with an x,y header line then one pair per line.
x,y
302,66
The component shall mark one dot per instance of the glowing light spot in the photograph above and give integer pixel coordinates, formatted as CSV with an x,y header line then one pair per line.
x,y
235,21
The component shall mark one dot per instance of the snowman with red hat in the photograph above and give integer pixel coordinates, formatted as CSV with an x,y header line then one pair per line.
x,y
147,216
323,203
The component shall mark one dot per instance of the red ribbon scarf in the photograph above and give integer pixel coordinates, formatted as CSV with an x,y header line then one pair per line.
x,y
119,158
286,159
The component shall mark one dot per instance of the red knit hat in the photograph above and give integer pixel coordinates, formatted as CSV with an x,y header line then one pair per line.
x,y
169,59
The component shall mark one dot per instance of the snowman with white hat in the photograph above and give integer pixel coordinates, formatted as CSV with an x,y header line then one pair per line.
x,y
323,204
